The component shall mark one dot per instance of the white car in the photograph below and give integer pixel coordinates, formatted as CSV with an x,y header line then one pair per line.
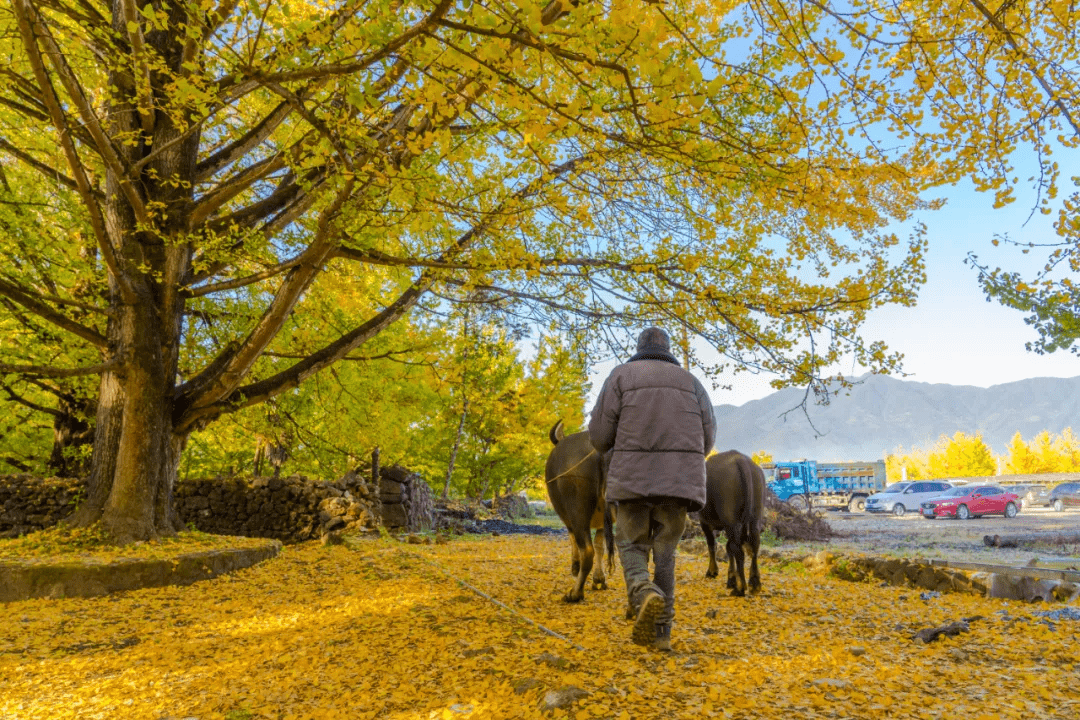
x,y
900,497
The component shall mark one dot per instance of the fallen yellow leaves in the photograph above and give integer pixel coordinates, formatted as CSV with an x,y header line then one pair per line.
x,y
381,632
60,544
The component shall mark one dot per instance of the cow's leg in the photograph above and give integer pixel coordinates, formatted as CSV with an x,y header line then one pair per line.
x,y
710,540
736,573
575,557
752,546
732,581
599,582
585,551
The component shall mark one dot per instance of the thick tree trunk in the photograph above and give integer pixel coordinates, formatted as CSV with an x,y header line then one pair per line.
x,y
145,442
136,453
107,425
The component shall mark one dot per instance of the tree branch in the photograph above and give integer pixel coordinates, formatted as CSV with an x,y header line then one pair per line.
x,y
82,104
27,403
288,294
1032,66
242,282
29,300
24,12
25,110
193,412
378,257
325,71
231,187
46,371
46,170
243,145
142,67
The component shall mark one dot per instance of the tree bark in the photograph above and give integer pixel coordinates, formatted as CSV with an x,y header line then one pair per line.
x,y
136,451
70,431
454,449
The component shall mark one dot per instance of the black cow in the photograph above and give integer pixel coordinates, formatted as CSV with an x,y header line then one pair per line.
x,y
575,485
734,503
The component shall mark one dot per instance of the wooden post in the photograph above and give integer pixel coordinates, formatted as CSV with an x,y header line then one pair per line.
x,y
376,488
375,468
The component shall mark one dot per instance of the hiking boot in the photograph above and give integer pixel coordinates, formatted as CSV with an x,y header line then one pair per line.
x,y
644,632
663,638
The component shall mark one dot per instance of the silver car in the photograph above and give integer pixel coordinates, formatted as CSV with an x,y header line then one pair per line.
x,y
900,497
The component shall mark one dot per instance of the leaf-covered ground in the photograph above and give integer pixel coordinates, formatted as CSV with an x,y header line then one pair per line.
x,y
382,631
60,544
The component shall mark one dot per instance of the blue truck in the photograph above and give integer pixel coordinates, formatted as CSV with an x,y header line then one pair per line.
x,y
842,486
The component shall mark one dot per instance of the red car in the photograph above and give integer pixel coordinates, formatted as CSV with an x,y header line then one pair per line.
x,y
968,501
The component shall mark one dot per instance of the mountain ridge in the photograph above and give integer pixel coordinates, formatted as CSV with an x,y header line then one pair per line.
x,y
881,414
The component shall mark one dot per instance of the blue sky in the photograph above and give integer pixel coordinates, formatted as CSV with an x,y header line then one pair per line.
x,y
953,335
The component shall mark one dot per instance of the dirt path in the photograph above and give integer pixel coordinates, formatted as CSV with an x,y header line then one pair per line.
x,y
960,540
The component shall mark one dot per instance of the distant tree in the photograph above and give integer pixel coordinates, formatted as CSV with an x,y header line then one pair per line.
x,y
1044,453
962,455
910,465
1019,459
761,457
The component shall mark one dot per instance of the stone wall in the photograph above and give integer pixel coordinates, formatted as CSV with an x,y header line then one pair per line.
x,y
291,509
407,500
28,503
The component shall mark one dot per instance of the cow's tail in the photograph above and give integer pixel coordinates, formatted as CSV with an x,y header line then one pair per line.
x,y
746,472
609,518
556,433
609,536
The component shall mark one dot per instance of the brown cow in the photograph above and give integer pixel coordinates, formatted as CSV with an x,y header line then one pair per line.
x,y
734,503
575,485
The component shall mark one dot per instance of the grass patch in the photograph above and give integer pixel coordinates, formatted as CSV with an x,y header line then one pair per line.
x,y
770,539
548,520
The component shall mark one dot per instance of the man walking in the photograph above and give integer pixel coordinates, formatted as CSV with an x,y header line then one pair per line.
x,y
658,421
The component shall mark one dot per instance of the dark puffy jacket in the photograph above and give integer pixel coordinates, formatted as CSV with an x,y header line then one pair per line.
x,y
659,420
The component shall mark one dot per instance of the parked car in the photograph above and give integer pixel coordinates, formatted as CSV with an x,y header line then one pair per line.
x,y
1031,495
972,501
900,497
1065,495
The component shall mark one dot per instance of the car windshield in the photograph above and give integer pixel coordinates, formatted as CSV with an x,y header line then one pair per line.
x,y
896,487
955,492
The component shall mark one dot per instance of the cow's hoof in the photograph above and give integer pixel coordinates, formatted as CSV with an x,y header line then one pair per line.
x,y
570,597
736,592
755,588
711,574
599,585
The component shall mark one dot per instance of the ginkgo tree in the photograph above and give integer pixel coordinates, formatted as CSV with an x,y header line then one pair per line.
x,y
1044,453
725,167
961,455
